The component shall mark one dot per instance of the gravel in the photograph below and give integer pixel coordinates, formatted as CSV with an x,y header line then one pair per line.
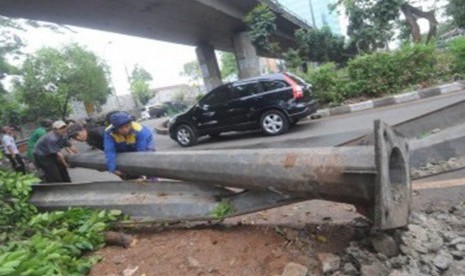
x,y
438,167
432,244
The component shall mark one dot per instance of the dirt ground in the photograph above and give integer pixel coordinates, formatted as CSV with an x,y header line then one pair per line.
x,y
257,244
234,251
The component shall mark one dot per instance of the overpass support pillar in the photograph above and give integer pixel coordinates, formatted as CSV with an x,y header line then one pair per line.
x,y
208,66
246,56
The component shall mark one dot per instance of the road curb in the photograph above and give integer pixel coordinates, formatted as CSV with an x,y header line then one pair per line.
x,y
391,100
160,129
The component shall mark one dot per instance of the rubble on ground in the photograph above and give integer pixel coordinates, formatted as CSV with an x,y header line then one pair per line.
x,y
438,167
432,244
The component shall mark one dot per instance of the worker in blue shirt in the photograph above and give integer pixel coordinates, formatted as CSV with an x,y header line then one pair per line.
x,y
125,135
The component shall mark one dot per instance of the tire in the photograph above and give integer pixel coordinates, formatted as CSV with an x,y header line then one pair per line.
x,y
274,122
186,136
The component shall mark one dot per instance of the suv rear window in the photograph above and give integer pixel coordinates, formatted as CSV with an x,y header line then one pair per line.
x,y
273,85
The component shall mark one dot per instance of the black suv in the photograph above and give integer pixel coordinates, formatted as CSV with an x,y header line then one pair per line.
x,y
270,102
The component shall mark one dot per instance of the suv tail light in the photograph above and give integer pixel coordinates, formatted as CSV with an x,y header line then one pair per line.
x,y
297,92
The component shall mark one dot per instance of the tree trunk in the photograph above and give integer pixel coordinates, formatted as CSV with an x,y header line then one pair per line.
x,y
412,13
65,107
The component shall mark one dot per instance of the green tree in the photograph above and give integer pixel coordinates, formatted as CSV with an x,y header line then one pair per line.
x,y
12,112
320,45
139,84
5,69
316,45
457,49
372,23
51,78
456,9
293,60
10,45
262,23
228,65
192,71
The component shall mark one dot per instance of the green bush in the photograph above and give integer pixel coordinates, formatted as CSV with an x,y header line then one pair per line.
x,y
384,73
444,69
372,74
457,49
416,63
328,87
51,243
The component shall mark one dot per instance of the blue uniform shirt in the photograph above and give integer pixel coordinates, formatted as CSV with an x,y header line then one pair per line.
x,y
139,139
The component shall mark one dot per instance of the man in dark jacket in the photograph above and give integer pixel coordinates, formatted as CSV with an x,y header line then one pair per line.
x,y
48,156
92,136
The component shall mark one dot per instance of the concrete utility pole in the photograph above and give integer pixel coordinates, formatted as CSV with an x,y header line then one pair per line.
x,y
373,178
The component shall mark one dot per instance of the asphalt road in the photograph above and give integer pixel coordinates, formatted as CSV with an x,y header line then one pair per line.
x,y
328,131
315,133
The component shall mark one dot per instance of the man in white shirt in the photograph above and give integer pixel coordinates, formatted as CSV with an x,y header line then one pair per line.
x,y
11,150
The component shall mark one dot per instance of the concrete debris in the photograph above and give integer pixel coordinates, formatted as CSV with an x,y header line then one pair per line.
x,y
329,262
438,167
193,262
443,260
130,271
457,268
294,269
119,259
385,245
373,269
350,269
432,244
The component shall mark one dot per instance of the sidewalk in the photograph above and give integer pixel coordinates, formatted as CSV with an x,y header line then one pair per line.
x,y
391,100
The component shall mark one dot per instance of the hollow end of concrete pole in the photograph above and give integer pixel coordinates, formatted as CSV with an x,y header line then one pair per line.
x,y
393,189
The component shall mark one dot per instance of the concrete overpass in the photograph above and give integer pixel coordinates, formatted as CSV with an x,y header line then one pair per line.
x,y
207,24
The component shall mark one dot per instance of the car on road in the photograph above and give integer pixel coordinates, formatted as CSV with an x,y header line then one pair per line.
x,y
272,103
161,110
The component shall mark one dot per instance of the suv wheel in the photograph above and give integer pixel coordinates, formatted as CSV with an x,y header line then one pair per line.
x,y
274,122
186,136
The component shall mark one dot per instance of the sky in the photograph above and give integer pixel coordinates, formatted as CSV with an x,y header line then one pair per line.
x,y
163,60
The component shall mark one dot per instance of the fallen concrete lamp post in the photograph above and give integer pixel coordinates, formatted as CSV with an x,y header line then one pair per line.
x,y
373,178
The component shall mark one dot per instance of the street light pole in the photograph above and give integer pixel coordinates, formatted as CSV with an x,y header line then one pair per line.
x,y
312,13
